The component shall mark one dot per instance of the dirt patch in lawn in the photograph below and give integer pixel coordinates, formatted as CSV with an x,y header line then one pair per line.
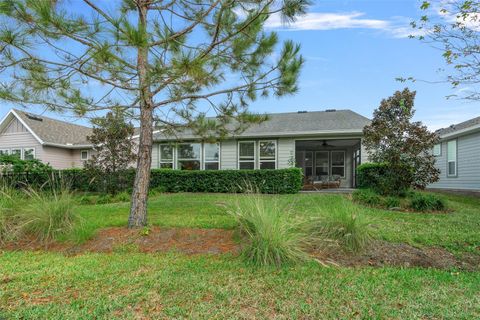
x,y
220,241
382,253
185,240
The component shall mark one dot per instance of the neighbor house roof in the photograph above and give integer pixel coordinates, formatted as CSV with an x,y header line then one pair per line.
x,y
460,128
302,123
53,132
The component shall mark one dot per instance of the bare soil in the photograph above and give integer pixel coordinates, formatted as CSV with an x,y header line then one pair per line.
x,y
194,241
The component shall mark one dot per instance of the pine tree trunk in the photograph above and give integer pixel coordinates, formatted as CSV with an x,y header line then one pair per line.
x,y
138,210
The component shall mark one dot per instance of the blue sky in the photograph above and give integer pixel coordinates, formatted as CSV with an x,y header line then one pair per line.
x,y
354,50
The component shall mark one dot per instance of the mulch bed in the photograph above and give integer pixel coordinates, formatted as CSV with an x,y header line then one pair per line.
x,y
218,241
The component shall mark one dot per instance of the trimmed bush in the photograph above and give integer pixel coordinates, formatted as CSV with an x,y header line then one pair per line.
x,y
392,202
368,197
384,178
235,181
426,202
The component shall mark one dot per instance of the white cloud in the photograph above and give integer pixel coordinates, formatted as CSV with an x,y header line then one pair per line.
x,y
327,21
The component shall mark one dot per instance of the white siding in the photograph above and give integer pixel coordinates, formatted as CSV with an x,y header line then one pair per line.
x,y
155,155
363,154
228,151
468,164
286,152
15,126
21,140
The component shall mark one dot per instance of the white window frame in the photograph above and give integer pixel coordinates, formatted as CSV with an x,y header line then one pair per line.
x,y
314,162
81,155
337,166
437,153
21,152
5,151
177,159
205,161
275,160
455,161
174,152
254,154
34,152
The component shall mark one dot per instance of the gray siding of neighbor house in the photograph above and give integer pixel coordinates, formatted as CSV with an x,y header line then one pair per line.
x,y
468,164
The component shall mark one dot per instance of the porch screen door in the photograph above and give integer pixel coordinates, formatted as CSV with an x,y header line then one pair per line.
x,y
322,165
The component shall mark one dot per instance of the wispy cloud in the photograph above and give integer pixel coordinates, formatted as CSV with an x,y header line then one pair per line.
x,y
327,21
397,27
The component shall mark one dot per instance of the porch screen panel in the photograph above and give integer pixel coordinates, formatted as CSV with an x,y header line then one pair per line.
x,y
246,155
338,163
321,163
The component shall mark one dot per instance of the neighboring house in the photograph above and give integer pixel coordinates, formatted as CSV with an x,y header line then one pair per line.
x,y
62,144
458,156
323,143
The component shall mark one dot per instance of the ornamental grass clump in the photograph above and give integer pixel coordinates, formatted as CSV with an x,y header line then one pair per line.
x,y
9,201
344,227
276,236
47,216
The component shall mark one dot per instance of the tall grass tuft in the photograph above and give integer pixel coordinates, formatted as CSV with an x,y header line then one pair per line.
x,y
276,236
345,226
9,200
47,215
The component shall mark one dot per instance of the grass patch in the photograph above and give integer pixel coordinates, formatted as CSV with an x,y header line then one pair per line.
x,y
172,286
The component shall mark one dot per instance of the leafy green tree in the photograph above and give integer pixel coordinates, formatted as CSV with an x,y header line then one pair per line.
x,y
402,144
165,62
113,146
453,26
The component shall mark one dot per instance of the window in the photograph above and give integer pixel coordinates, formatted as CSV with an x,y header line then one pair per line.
x,y
338,163
188,155
84,155
452,158
321,163
29,153
17,153
211,156
437,150
166,156
268,154
4,152
246,155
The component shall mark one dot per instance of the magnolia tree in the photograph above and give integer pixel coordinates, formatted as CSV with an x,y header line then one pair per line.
x,y
114,148
404,145
163,62
453,26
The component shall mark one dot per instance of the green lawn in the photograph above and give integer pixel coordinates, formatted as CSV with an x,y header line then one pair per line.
x,y
40,285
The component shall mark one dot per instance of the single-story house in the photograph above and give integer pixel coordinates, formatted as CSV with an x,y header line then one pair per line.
x,y
458,156
324,144
62,144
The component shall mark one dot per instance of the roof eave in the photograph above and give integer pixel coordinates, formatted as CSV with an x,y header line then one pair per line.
x,y
457,133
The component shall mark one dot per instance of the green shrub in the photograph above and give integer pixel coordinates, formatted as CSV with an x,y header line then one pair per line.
x,y
10,199
426,202
121,197
367,196
104,199
275,236
384,179
344,226
392,202
47,216
156,191
218,181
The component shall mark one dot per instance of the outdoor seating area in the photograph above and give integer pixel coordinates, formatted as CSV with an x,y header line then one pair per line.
x,y
322,182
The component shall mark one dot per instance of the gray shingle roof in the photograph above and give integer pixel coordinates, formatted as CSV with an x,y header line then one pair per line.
x,y
460,126
52,131
297,124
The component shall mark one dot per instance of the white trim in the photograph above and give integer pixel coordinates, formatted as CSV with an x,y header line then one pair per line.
x,y
160,155
314,162
275,160
204,161
3,151
26,126
456,160
440,150
254,153
17,148
153,132
30,148
81,155
460,132
178,159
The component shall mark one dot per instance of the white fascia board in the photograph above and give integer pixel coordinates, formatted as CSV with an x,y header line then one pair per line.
x,y
460,132
28,128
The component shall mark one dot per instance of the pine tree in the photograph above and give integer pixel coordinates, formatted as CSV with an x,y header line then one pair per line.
x,y
162,61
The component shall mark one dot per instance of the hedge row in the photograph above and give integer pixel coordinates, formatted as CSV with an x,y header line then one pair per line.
x,y
235,181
